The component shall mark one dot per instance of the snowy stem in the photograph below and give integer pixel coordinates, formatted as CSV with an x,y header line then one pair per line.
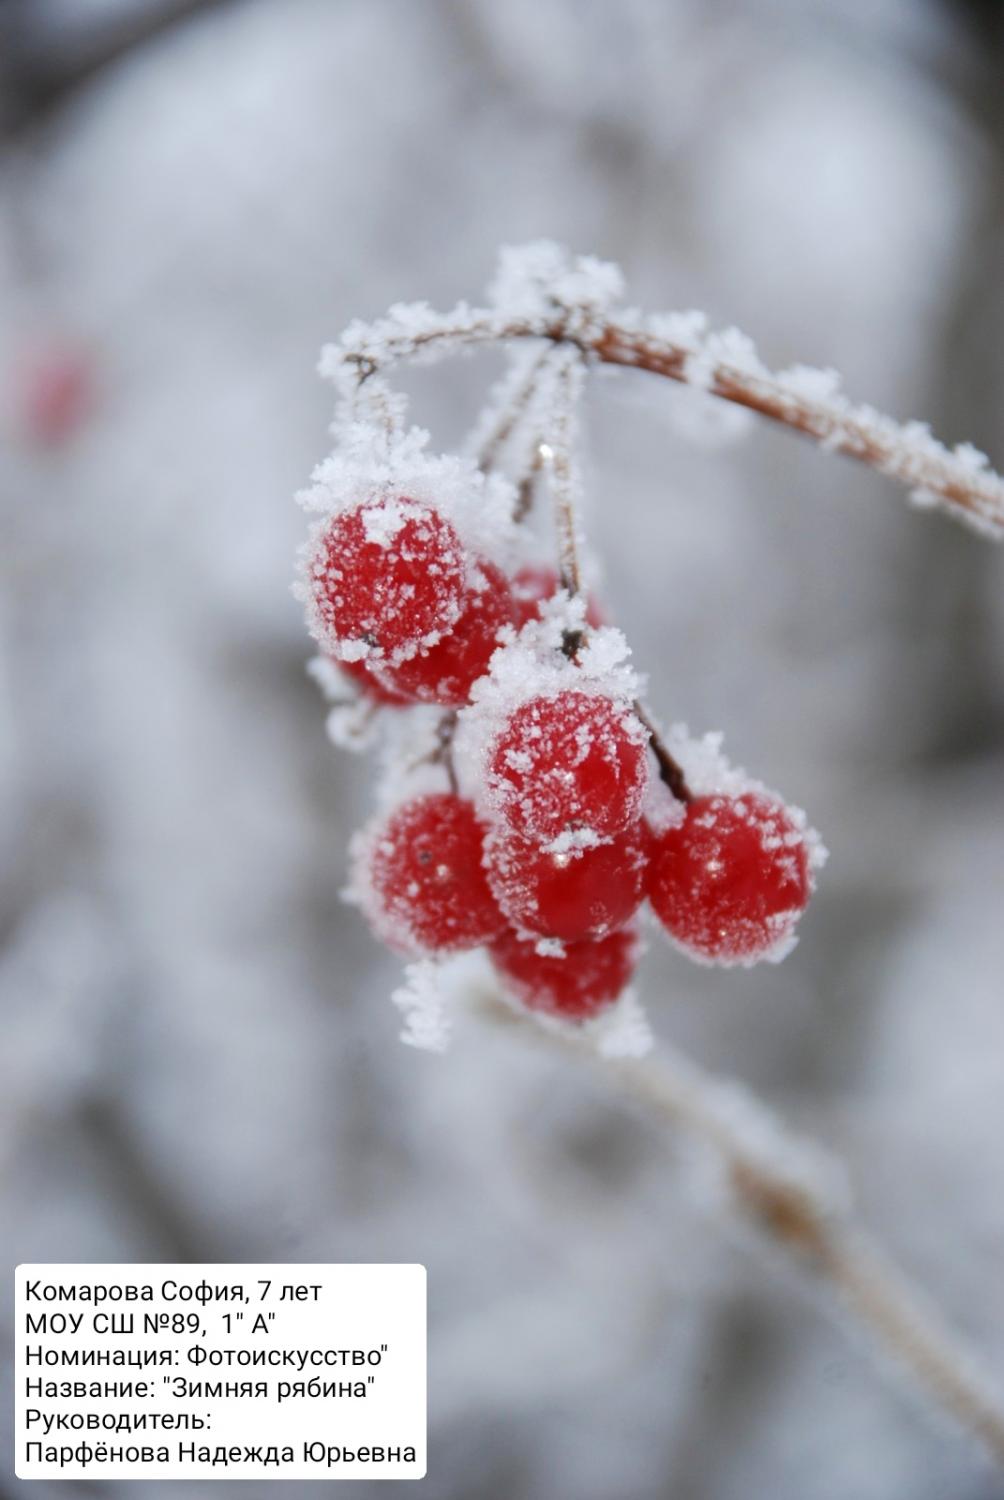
x,y
515,396
559,461
527,486
370,398
796,1196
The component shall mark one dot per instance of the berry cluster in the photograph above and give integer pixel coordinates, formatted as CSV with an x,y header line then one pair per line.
x,y
540,819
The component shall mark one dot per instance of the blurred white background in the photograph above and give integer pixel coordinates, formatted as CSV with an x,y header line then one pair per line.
x,y
198,1058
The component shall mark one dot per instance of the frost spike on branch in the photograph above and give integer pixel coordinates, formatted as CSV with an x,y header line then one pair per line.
x,y
678,347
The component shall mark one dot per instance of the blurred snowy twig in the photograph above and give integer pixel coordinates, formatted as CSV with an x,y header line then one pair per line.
x,y
799,1198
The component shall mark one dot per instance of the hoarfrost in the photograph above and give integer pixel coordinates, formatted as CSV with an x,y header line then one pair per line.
x,y
622,1030
534,281
422,1003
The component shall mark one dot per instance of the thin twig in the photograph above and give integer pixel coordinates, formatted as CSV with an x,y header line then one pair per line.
x,y
797,1197
441,753
527,487
558,456
445,730
957,479
511,410
670,769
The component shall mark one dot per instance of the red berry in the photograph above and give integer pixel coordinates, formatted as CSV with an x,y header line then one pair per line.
x,y
567,762
423,880
588,978
370,684
446,672
389,575
533,584
731,880
584,893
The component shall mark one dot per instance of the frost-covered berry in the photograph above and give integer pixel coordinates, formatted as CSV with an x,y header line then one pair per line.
x,y
370,685
533,585
730,881
568,762
574,895
585,980
420,879
445,673
385,579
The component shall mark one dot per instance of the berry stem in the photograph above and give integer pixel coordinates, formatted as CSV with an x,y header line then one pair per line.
x,y
371,396
526,489
512,408
670,769
795,1195
445,730
557,456
442,752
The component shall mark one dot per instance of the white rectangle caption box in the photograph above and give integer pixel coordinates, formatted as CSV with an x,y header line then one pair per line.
x,y
219,1372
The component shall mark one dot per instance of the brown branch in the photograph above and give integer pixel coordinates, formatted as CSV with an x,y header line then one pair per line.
x,y
980,496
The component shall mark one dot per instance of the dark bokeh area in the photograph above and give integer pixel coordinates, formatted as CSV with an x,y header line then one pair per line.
x,y
199,1060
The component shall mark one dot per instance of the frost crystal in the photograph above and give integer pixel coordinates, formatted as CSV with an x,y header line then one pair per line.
x,y
422,1003
622,1030
539,280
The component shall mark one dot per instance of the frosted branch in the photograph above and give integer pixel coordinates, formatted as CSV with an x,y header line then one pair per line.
x,y
723,364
